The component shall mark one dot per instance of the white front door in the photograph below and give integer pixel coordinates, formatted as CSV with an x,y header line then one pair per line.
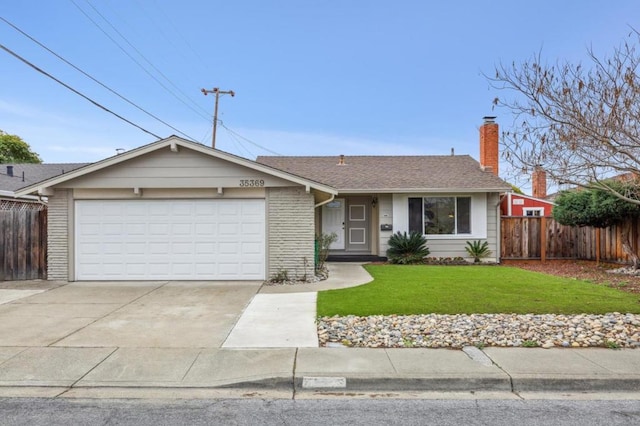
x,y
333,221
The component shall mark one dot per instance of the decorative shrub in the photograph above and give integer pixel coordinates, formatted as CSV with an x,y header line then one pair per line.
x,y
406,249
324,242
478,249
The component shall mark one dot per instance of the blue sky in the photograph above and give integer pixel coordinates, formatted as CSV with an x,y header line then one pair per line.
x,y
311,77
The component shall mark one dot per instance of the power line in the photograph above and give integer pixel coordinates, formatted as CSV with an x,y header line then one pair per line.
x,y
249,140
94,79
238,143
166,19
12,53
138,63
144,57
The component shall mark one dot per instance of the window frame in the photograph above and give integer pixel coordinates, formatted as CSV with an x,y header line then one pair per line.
x,y
533,210
412,220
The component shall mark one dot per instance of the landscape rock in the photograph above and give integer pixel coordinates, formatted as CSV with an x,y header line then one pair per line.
x,y
502,330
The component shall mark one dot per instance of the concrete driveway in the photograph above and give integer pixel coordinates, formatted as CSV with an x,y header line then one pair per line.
x,y
126,314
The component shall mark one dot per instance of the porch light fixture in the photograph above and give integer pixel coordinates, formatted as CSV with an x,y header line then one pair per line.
x,y
374,202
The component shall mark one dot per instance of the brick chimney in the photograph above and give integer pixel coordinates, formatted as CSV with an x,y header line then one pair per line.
x,y
539,183
489,150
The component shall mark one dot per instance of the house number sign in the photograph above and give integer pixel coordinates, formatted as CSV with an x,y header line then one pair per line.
x,y
251,183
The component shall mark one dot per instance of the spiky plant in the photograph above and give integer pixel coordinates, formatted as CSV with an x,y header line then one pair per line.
x,y
405,249
478,249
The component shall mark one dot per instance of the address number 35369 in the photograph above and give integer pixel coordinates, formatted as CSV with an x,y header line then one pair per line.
x,y
251,183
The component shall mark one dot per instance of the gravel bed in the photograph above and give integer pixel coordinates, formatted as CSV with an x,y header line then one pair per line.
x,y
612,330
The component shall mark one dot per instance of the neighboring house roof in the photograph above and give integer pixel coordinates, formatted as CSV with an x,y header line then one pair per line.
x,y
28,174
529,197
435,173
174,142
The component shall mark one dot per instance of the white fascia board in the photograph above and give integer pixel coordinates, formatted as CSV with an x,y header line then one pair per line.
x,y
11,194
260,167
419,190
528,197
174,141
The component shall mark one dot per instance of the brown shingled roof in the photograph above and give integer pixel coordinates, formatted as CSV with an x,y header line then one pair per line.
x,y
392,173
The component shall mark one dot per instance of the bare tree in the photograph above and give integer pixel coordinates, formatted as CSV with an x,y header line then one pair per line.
x,y
579,123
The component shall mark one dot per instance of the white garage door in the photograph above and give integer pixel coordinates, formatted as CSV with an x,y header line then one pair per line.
x,y
170,240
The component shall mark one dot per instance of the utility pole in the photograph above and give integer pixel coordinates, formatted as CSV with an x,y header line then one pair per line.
x,y
217,92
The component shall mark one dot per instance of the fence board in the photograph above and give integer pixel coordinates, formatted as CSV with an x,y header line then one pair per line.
x,y
23,244
522,236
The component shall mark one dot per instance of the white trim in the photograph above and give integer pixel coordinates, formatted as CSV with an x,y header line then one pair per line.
x,y
421,191
525,210
164,143
364,236
528,197
12,195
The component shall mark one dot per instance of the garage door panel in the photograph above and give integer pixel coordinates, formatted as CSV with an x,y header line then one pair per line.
x,y
170,239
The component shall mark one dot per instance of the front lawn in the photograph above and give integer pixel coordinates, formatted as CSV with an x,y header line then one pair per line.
x,y
425,289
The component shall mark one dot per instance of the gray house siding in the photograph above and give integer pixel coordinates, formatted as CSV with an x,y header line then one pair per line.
x,y
290,232
58,235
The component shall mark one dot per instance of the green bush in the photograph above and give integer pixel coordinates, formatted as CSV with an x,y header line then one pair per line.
x,y
406,249
477,249
595,207
324,242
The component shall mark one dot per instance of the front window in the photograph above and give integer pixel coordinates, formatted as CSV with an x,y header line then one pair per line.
x,y
440,215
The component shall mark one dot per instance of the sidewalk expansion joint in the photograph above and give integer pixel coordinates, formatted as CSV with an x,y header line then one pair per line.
x,y
92,368
511,386
293,374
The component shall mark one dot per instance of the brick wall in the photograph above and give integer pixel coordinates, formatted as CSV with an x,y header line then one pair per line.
x,y
58,236
290,232
489,147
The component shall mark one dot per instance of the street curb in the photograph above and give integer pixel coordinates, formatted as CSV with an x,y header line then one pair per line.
x,y
564,384
440,384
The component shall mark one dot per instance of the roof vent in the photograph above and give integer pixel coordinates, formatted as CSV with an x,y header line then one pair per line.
x,y
341,160
10,171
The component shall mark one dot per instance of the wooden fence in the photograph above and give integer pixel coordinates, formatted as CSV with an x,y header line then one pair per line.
x,y
23,244
543,238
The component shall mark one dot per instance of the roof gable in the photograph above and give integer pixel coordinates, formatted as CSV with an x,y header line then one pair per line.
x,y
393,173
105,168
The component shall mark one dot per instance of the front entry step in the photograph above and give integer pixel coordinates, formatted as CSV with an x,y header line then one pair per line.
x,y
355,258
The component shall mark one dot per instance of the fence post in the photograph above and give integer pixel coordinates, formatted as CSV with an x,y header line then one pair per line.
x,y
543,239
597,246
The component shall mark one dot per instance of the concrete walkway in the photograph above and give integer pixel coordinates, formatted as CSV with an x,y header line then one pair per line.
x,y
284,316
277,321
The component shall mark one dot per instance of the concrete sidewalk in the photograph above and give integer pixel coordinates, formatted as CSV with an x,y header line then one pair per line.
x,y
51,371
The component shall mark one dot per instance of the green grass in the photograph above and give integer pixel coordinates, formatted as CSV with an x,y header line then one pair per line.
x,y
424,289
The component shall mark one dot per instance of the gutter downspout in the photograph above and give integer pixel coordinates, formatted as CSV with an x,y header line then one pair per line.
x,y
322,203
498,223
498,236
